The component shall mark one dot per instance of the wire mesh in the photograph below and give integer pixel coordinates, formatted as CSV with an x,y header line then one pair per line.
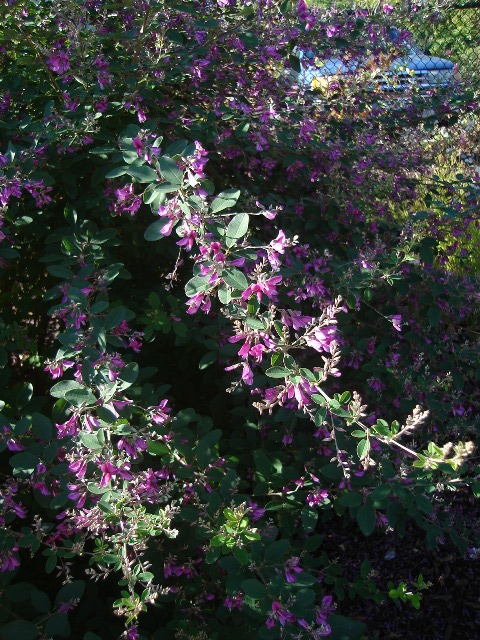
x,y
450,31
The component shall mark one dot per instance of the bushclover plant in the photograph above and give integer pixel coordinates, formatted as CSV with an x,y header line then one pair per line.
x,y
216,341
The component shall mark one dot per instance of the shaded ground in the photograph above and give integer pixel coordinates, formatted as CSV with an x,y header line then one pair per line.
x,y
450,608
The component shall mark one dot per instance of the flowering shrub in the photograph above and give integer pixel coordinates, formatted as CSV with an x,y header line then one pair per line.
x,y
198,259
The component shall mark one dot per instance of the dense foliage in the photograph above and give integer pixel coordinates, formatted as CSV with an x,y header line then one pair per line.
x,y
245,337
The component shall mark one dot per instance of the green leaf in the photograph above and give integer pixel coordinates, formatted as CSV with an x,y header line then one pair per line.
x,y
433,315
19,630
366,518
278,372
128,376
332,471
336,408
205,450
276,551
309,519
195,285
262,463
58,625
146,576
294,63
79,397
363,449
24,461
206,360
458,380
90,441
218,540
345,628
224,200
235,279
51,563
253,589
213,554
424,504
157,448
115,317
237,228
40,601
241,555
142,174
170,171
152,232
71,591
320,416
381,429
312,543
41,426
351,499
60,389
59,500
224,295
116,172
255,323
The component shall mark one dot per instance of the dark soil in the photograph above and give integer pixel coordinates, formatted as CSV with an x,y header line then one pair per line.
x,y
450,607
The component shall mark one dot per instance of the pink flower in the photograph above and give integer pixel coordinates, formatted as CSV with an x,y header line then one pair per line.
x,y
188,239
247,375
108,471
387,9
295,319
267,287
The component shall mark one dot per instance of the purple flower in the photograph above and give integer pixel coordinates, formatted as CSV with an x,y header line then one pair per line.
x,y
324,611
13,445
333,30
316,497
132,633
256,511
9,560
279,613
234,602
291,568
397,322
387,9
159,413
56,368
302,9
58,62
321,338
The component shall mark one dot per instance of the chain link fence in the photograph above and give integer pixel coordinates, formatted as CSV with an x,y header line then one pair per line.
x,y
450,30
